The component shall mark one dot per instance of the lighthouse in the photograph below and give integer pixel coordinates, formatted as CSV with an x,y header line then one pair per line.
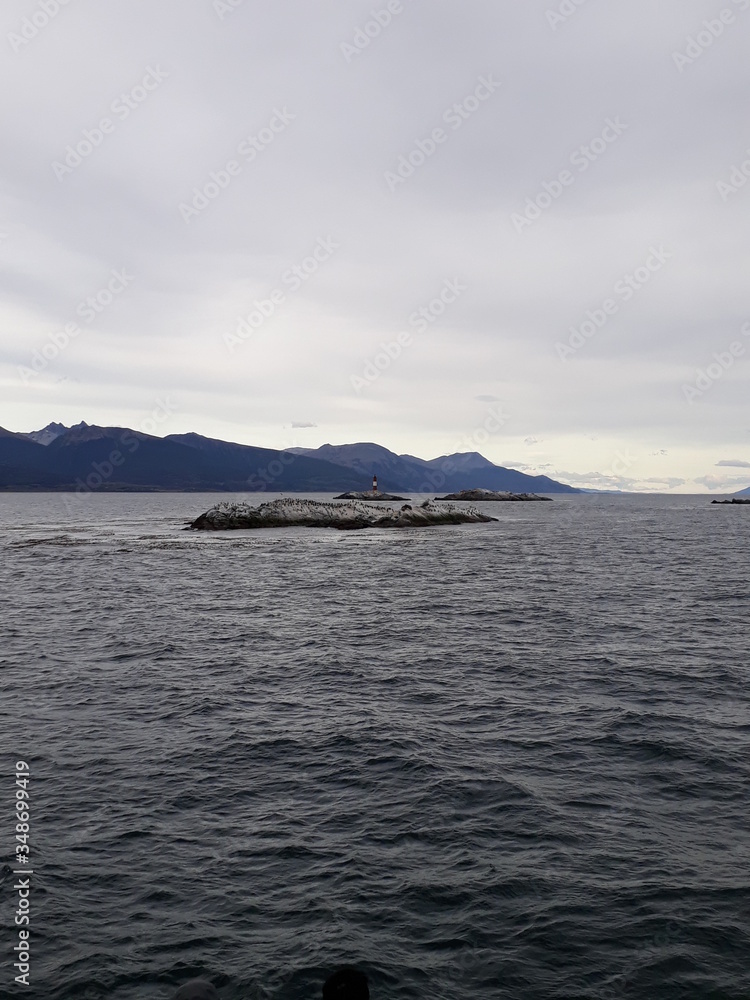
x,y
374,483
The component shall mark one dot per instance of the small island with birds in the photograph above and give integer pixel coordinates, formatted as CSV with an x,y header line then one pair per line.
x,y
480,494
351,515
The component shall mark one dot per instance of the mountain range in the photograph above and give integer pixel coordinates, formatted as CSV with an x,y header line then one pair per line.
x,y
467,470
87,457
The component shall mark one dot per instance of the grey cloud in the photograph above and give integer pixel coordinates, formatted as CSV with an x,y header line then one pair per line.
x,y
260,120
670,482
726,484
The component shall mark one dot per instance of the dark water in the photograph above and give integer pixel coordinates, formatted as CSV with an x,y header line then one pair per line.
x,y
479,762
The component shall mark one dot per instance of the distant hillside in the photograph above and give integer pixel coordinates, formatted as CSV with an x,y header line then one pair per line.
x,y
88,457
48,434
118,458
395,472
23,463
743,493
468,470
269,469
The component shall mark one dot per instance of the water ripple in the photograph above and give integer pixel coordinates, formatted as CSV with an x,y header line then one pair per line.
x,y
508,761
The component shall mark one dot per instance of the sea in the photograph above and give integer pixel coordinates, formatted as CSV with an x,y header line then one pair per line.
x,y
505,761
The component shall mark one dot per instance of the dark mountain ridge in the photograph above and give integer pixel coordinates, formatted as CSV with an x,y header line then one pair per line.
x,y
118,458
48,434
466,470
89,457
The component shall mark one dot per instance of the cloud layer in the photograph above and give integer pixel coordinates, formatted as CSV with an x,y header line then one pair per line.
x,y
335,222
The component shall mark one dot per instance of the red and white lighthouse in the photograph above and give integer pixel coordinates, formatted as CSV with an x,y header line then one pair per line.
x,y
374,483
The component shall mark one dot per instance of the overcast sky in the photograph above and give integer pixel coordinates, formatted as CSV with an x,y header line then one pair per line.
x,y
226,215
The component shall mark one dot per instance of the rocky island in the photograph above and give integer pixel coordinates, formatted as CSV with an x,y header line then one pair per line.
x,y
369,496
344,516
479,494
733,500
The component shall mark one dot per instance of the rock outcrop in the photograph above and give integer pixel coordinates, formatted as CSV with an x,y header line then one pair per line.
x,y
315,514
733,500
369,495
479,494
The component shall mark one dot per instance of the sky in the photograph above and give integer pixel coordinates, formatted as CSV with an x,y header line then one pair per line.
x,y
518,227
